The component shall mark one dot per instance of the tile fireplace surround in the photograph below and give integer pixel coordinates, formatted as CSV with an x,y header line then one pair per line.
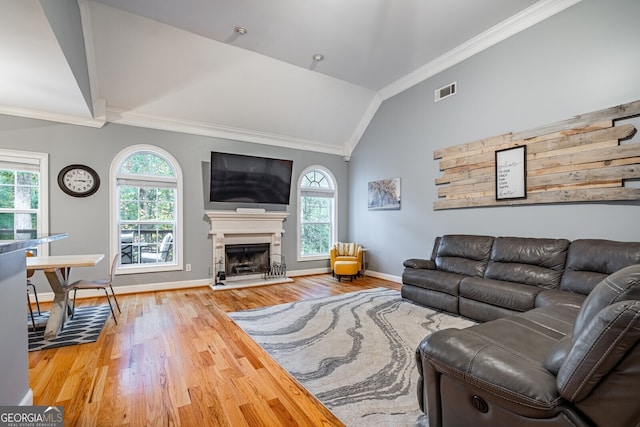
x,y
244,226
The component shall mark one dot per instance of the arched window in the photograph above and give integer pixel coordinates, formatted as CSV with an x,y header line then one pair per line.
x,y
146,206
317,201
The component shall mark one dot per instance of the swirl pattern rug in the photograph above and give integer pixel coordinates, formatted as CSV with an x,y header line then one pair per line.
x,y
354,352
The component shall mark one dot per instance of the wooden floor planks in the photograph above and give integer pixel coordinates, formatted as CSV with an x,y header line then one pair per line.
x,y
176,359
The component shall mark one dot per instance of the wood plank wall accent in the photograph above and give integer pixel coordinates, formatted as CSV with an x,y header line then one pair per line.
x,y
575,160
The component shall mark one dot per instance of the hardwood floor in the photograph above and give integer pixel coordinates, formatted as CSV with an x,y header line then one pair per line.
x,y
175,358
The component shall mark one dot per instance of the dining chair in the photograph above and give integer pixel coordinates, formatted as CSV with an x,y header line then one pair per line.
x,y
35,294
101,284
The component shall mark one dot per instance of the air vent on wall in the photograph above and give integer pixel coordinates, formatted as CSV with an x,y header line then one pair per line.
x,y
445,91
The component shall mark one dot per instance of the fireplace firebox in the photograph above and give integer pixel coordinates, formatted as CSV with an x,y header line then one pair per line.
x,y
246,259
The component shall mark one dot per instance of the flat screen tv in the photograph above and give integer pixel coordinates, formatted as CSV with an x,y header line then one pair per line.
x,y
249,179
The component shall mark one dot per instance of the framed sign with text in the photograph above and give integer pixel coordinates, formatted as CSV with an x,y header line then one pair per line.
x,y
511,173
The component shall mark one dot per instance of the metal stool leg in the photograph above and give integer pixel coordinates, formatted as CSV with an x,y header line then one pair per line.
x,y
106,292
114,297
33,320
35,294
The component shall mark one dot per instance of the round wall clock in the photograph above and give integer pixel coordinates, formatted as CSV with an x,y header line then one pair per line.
x,y
78,180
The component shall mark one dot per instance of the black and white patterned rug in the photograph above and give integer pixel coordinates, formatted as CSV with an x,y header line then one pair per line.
x,y
354,352
85,327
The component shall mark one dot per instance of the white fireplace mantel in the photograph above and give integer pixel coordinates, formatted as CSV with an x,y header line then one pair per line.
x,y
231,227
231,222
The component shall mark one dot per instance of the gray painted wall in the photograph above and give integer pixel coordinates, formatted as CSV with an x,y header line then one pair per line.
x,y
86,220
581,60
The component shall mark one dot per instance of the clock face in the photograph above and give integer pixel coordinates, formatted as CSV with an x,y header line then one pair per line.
x,y
78,180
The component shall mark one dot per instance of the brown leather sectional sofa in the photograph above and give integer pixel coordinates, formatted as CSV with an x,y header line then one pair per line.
x,y
560,342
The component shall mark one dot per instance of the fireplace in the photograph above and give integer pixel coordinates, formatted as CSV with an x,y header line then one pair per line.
x,y
247,244
244,259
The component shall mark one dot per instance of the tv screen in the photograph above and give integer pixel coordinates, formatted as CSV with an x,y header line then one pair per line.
x,y
249,179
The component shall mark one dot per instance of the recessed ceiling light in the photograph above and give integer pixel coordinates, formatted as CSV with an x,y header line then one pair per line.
x,y
240,30
318,57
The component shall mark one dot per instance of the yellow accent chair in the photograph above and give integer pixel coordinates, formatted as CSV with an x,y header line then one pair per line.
x,y
346,252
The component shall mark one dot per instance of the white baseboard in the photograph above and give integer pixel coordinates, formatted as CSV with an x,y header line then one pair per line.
x,y
134,289
308,272
389,277
168,286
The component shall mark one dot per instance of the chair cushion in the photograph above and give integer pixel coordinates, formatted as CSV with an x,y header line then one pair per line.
x,y
346,249
346,268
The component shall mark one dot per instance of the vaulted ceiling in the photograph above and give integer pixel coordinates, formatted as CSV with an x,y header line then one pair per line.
x,y
184,65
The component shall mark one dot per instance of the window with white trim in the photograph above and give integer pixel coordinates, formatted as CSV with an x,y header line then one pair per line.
x,y
317,200
24,196
146,210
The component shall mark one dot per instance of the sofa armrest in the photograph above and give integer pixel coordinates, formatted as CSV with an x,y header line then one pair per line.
x,y
426,264
471,357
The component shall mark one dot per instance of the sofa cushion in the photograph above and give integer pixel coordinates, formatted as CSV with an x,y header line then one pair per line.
x,y
622,285
589,261
599,347
435,299
537,262
558,297
482,311
557,355
463,254
504,357
435,280
512,296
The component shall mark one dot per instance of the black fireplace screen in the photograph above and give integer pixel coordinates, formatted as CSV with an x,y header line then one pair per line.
x,y
248,259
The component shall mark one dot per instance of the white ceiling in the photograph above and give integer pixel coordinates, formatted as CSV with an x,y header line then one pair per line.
x,y
179,65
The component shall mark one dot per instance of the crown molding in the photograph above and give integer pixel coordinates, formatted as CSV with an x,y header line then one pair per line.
x,y
52,117
363,124
507,28
119,116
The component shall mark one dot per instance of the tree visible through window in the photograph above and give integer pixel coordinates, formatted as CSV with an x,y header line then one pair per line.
x,y
317,213
147,209
21,198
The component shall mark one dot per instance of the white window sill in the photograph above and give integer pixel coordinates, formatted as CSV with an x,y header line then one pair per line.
x,y
147,268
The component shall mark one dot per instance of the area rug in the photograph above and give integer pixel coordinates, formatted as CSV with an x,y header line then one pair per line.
x,y
354,352
85,327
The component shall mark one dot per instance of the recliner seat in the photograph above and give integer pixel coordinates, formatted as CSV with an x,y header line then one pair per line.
x,y
553,365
